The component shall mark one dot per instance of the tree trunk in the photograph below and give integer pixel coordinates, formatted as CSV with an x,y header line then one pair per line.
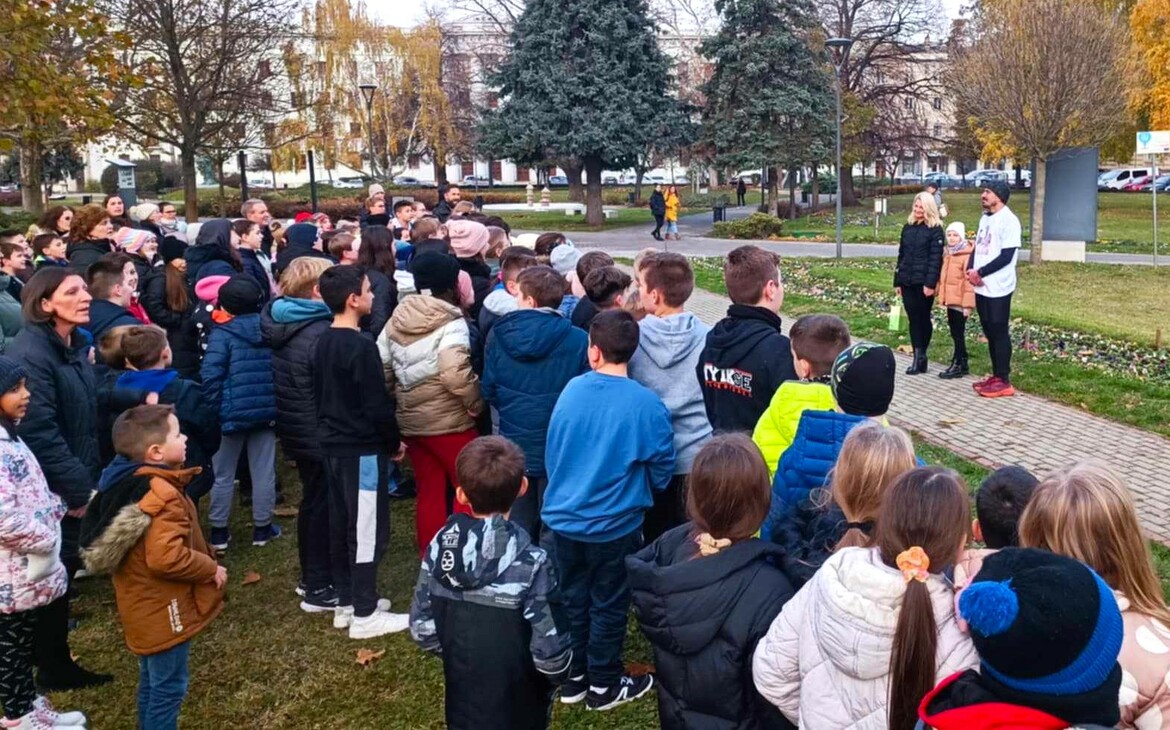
x,y
222,195
773,191
31,195
815,189
1038,210
638,173
190,191
594,214
573,172
792,205
848,194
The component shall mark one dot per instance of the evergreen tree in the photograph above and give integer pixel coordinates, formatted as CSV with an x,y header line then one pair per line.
x,y
769,98
585,79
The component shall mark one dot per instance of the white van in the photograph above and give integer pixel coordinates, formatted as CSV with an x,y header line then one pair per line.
x,y
1118,179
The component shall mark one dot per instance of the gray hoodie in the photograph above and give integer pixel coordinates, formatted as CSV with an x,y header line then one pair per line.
x,y
666,362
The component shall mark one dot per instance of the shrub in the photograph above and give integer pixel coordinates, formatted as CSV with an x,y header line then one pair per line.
x,y
10,200
755,226
18,219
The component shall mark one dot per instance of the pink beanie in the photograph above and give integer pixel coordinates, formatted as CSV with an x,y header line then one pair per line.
x,y
131,240
468,238
207,288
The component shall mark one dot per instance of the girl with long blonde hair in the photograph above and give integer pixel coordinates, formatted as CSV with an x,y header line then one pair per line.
x,y
920,259
1085,511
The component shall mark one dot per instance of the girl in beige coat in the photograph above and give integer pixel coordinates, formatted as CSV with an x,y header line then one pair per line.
x,y
957,295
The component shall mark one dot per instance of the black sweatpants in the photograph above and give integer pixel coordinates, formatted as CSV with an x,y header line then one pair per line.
x,y
51,636
359,526
918,307
739,198
17,690
995,314
958,326
669,510
659,220
525,510
313,526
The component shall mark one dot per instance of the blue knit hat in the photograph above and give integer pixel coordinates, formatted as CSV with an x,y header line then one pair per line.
x,y
11,373
1043,624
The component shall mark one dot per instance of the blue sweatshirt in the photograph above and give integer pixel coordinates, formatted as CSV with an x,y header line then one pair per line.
x,y
609,444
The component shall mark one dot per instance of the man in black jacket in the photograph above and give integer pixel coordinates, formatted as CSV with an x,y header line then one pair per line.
x,y
658,210
450,198
747,355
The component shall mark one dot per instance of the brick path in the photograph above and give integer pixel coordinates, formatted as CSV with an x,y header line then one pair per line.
x,y
1025,430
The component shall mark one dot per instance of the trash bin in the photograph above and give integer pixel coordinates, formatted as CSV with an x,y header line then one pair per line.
x,y
804,196
86,199
719,212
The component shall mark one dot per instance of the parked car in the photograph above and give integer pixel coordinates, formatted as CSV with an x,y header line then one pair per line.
x,y
558,180
349,182
476,180
406,181
611,178
9,188
1118,179
1138,184
1162,183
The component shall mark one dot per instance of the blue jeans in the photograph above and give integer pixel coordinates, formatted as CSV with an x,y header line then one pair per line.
x,y
595,594
162,685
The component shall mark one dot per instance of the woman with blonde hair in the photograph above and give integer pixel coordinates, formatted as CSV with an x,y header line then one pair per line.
x,y
920,257
1085,511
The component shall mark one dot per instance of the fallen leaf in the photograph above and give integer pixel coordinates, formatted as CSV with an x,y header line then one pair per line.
x,y
367,657
251,577
951,422
906,349
286,511
636,669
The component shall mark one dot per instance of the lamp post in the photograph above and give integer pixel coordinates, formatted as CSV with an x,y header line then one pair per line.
x,y
368,90
839,47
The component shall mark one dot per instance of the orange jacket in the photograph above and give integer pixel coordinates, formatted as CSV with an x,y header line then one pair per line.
x,y
953,288
163,571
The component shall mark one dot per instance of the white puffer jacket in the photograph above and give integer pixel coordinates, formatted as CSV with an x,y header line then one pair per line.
x,y
825,660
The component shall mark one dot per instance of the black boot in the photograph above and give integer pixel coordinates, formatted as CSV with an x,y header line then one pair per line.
x,y
919,364
957,369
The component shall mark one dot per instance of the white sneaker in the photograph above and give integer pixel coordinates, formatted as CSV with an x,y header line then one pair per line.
x,y
378,624
51,714
34,720
343,615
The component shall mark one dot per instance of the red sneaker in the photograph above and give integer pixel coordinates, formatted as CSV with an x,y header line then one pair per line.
x,y
997,388
980,385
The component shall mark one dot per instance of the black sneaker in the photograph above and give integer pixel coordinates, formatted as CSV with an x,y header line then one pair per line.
x,y
574,690
301,590
322,600
626,690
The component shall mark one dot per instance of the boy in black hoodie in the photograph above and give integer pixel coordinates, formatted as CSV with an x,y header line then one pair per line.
x,y
504,647
747,355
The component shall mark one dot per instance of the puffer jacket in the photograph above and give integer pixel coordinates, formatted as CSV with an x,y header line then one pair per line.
x,y
212,253
31,572
704,616
953,288
673,204
805,465
237,375
83,253
776,429
182,334
825,661
11,318
531,356
426,357
1145,664
144,530
291,327
920,255
385,300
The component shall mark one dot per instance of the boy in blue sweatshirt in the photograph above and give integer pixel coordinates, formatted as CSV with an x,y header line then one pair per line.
x,y
610,447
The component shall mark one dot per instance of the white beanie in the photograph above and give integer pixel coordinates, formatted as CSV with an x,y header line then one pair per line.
x,y
958,227
143,211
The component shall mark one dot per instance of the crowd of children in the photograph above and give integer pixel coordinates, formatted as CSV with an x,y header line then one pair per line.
x,y
580,444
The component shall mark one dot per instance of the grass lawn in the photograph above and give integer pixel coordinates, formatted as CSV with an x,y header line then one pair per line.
x,y
541,221
1124,224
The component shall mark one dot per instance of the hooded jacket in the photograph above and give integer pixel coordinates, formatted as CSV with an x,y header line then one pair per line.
x,y
104,316
31,572
198,418
237,375
143,529
953,288
665,362
746,358
776,429
83,253
657,203
969,701
482,602
495,305
212,253
825,661
531,356
291,327
703,616
426,357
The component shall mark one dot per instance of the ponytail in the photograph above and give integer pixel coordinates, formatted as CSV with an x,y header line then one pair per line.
x,y
912,660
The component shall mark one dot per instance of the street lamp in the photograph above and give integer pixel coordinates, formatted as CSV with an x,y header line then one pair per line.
x,y
839,48
368,90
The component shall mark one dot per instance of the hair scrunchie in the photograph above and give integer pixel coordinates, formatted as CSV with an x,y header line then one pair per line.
x,y
709,545
914,564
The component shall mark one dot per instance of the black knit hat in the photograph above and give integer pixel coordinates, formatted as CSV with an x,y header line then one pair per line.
x,y
11,373
862,379
1002,190
1044,624
172,248
434,273
240,295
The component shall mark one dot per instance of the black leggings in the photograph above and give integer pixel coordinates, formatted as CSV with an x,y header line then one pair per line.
x,y
17,691
918,307
995,315
658,221
957,323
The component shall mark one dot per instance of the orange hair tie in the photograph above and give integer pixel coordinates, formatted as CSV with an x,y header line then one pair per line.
x,y
914,564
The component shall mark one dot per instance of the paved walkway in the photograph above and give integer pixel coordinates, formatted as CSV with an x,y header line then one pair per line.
x,y
1026,430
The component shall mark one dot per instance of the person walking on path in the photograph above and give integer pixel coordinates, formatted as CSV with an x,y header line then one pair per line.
x,y
992,271
920,255
957,295
658,210
740,193
673,205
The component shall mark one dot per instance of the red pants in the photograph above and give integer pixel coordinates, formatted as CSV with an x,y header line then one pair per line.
x,y
433,458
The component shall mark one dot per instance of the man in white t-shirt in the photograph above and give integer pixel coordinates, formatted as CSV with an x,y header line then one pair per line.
x,y
992,271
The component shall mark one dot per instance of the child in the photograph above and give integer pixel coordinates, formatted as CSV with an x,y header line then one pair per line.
x,y
49,250
874,630
564,260
531,356
712,573
31,572
957,295
482,601
143,529
502,299
999,504
862,384
671,341
1048,631
843,515
1085,511
746,356
426,356
606,288
586,310
237,380
817,340
610,448
358,438
469,244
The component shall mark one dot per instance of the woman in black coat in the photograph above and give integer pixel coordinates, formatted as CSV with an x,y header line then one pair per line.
x,y
61,430
90,238
377,255
920,256
169,304
658,210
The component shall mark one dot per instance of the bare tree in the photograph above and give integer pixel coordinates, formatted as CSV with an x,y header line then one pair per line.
x,y
1056,63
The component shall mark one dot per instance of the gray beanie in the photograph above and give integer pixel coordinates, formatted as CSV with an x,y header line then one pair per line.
x,y
1001,189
